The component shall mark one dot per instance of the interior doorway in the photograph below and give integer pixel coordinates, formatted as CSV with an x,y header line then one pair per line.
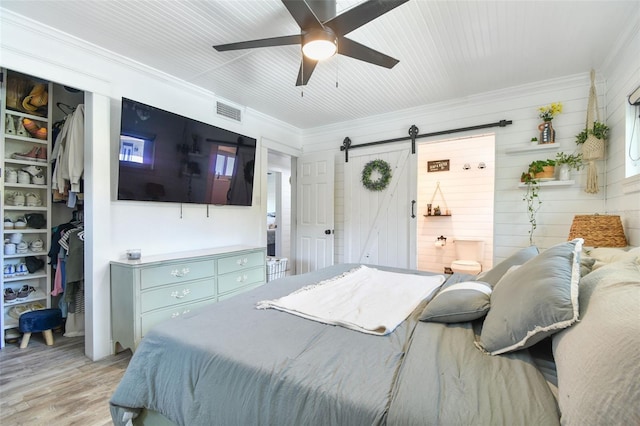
x,y
279,206
457,177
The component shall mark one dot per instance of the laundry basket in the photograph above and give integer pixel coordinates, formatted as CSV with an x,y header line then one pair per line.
x,y
276,267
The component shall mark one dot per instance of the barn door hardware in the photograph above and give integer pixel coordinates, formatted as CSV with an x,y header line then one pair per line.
x,y
413,135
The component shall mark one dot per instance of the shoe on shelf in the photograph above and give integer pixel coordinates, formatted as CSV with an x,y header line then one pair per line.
x,y
30,155
10,127
20,223
15,198
22,247
8,223
36,245
9,295
25,291
33,170
24,177
9,271
33,199
10,176
21,269
21,130
41,155
39,180
16,311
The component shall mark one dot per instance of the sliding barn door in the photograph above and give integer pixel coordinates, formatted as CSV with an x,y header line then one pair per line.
x,y
379,226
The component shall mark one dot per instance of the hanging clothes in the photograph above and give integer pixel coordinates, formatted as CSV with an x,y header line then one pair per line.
x,y
68,153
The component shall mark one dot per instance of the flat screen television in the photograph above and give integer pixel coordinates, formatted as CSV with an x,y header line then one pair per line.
x,y
170,158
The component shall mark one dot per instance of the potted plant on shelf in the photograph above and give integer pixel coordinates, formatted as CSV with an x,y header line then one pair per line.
x,y
566,162
533,201
542,169
600,131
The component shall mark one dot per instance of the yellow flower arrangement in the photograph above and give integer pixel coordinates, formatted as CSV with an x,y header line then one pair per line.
x,y
547,113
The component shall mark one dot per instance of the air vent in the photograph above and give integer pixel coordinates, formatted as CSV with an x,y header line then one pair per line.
x,y
228,111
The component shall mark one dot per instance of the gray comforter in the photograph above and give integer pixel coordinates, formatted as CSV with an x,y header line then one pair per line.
x,y
231,364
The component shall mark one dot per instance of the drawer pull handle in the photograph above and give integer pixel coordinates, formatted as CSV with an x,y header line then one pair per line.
x,y
177,314
241,278
177,294
176,273
242,262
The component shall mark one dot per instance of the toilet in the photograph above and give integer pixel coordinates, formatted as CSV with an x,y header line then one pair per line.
x,y
469,254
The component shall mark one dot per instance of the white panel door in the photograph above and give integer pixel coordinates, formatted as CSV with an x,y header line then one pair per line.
x,y
315,222
380,226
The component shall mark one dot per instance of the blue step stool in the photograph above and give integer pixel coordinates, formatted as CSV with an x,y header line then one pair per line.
x,y
42,320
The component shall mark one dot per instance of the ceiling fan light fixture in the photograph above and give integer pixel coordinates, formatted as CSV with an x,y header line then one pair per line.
x,y
320,44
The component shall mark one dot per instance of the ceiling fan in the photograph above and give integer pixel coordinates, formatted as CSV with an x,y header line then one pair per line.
x,y
323,33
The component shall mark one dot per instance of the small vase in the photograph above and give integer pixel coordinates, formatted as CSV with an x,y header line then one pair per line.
x,y
547,134
564,172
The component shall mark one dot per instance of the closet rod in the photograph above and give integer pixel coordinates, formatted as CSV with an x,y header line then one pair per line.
x,y
413,135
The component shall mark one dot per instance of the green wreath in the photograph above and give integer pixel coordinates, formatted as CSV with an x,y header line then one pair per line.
x,y
385,175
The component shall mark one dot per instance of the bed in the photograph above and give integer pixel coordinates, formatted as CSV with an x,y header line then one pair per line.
x,y
445,364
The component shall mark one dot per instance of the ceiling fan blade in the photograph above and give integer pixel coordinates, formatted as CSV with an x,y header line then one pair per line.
x,y
302,14
307,67
265,42
356,50
361,14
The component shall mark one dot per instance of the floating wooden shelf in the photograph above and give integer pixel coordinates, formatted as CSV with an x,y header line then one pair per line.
x,y
551,183
534,147
435,215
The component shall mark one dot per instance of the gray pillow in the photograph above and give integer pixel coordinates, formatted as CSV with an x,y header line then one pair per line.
x,y
597,358
493,275
534,301
459,302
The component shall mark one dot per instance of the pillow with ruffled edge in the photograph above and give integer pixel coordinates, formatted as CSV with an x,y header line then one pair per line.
x,y
460,302
493,275
534,301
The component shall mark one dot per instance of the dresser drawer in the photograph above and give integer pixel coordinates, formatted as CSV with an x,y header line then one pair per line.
x,y
241,261
235,280
176,272
150,319
179,293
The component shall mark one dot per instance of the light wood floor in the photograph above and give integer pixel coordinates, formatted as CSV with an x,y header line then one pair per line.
x,y
57,385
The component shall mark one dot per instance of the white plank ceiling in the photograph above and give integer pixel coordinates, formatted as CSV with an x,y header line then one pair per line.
x,y
447,49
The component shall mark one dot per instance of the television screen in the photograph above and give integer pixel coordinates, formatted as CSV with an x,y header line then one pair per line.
x,y
167,157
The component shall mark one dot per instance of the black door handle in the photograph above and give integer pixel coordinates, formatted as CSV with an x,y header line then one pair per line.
x,y
327,231
413,205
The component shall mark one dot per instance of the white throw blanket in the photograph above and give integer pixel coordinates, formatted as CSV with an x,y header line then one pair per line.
x,y
363,299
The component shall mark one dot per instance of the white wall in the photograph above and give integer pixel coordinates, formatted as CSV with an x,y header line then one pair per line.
x,y
115,226
623,75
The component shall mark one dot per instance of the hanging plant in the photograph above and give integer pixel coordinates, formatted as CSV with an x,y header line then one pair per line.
x,y
381,167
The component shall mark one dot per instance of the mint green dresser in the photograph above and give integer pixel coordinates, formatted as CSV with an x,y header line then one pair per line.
x,y
157,288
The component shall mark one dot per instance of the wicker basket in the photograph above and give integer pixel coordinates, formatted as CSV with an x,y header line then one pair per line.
x,y
276,268
598,230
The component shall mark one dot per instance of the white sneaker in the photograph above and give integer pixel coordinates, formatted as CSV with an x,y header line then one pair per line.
x,y
10,128
39,180
33,170
36,245
20,223
11,176
24,177
8,223
15,199
33,199
22,247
